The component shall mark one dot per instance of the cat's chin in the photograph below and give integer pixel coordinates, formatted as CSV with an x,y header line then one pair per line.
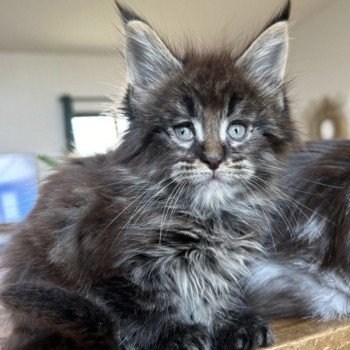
x,y
213,196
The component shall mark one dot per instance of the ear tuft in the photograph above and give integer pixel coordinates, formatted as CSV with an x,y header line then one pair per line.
x,y
127,14
266,58
149,60
283,15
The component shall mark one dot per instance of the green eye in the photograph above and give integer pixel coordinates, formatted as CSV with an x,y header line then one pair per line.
x,y
237,131
184,133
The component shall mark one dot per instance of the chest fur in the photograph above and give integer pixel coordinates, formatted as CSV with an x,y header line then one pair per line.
x,y
196,271
205,283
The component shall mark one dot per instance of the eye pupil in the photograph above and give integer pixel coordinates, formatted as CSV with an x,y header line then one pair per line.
x,y
237,131
184,133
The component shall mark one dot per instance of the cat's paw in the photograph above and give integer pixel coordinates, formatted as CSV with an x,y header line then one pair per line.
x,y
189,338
244,333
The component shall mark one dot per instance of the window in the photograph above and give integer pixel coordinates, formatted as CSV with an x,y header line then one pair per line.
x,y
87,130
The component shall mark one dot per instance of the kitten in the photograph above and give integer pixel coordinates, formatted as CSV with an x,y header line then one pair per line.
x,y
147,247
307,273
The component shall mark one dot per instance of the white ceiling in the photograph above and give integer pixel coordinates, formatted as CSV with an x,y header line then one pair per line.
x,y
91,26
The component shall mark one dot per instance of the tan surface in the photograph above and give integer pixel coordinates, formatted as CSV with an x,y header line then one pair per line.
x,y
4,326
290,334
311,335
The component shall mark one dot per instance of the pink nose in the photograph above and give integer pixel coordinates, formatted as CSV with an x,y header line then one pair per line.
x,y
213,162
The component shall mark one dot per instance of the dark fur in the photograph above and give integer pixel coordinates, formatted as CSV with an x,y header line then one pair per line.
x,y
308,272
121,253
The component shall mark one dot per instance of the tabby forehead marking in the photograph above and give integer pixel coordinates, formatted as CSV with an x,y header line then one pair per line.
x,y
223,129
198,127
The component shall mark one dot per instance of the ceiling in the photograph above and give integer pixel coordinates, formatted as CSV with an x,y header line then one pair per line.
x,y
91,26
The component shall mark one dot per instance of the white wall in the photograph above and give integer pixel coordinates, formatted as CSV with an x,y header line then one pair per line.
x,y
31,117
319,63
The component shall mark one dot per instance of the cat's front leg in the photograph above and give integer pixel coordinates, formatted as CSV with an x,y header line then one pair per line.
x,y
243,332
185,337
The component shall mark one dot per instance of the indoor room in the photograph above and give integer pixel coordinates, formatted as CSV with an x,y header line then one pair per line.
x,y
101,103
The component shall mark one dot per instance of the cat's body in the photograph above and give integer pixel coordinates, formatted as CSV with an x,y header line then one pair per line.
x,y
307,272
188,274
147,247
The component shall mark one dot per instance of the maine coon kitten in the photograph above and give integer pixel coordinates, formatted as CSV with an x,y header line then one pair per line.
x,y
147,247
308,270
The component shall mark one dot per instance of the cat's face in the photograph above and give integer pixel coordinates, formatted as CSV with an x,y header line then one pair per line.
x,y
213,125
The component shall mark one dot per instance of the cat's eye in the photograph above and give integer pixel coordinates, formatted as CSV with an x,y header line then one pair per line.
x,y
237,131
184,132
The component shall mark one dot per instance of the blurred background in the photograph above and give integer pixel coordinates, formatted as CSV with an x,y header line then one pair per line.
x,y
60,64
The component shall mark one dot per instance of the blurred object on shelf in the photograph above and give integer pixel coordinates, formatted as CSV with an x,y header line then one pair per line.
x,y
326,119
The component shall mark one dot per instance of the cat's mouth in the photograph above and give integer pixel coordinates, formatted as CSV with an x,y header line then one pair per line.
x,y
215,177
212,177
204,178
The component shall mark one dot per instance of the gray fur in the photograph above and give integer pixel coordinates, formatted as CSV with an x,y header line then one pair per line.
x,y
307,271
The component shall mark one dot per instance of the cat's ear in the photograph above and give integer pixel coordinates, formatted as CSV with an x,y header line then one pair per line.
x,y
266,58
148,58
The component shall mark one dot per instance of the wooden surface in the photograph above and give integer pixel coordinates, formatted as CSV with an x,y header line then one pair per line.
x,y
290,334
311,335
4,326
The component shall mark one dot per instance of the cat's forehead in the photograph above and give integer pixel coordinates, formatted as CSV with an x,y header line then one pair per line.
x,y
213,81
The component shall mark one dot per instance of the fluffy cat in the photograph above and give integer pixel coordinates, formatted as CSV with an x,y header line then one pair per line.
x,y
307,271
147,247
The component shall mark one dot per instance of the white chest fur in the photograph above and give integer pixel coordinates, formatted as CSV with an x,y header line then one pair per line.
x,y
206,283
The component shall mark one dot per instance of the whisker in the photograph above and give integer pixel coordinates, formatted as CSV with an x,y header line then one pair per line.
x,y
140,197
303,179
297,203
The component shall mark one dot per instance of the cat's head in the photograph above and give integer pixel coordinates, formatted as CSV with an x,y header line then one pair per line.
x,y
213,124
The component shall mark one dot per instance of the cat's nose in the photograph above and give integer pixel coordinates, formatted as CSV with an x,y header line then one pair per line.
x,y
213,162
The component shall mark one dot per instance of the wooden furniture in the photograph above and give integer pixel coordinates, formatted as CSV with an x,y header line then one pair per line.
x,y
4,326
5,228
5,234
311,335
